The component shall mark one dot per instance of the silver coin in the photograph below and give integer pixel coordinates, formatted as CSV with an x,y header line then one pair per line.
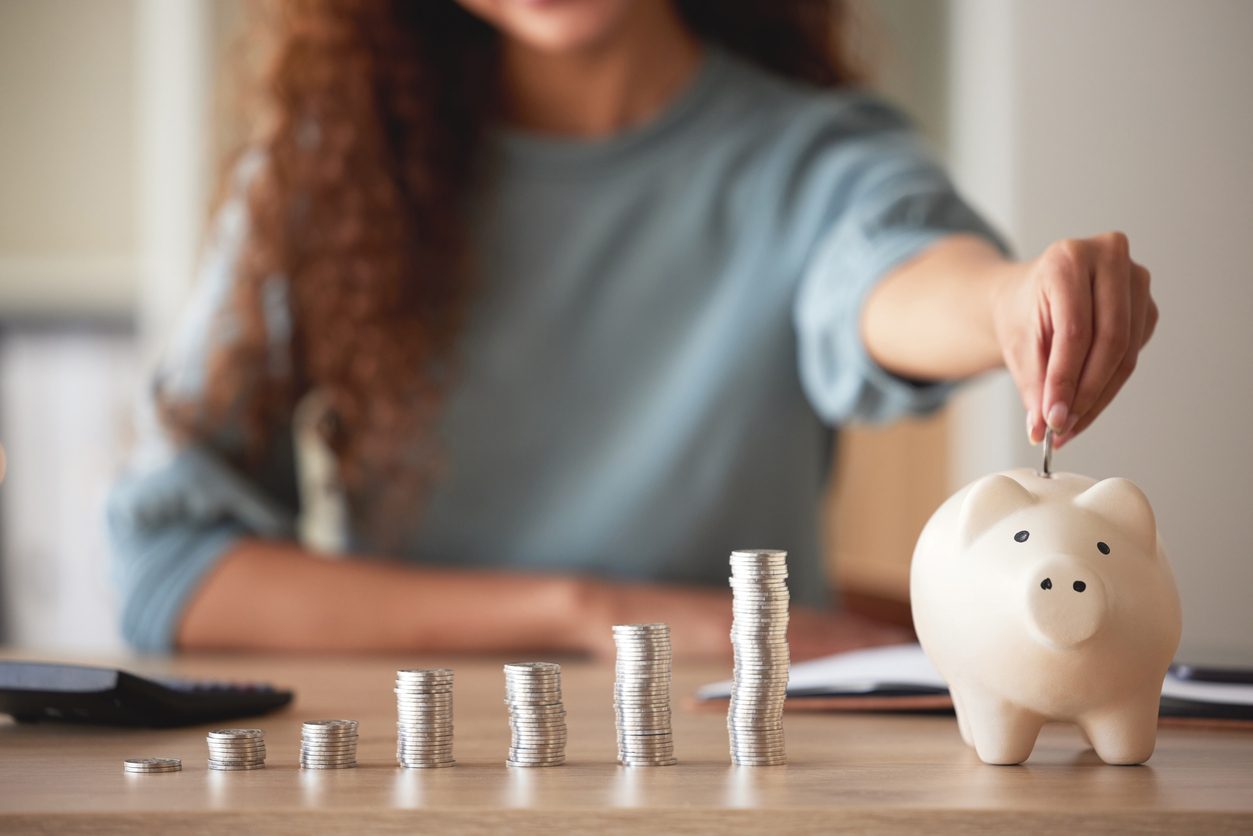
x,y
235,734
552,735
763,751
640,669
423,699
330,741
229,753
636,745
537,696
537,747
638,717
330,744
1046,463
549,733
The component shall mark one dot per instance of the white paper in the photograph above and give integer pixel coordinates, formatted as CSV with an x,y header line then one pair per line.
x,y
882,668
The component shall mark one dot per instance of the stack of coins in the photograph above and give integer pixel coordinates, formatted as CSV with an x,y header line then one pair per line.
x,y
424,718
148,765
759,639
536,716
236,749
641,696
328,744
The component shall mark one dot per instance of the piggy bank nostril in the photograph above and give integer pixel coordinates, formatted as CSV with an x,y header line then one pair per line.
x,y
1047,583
1079,586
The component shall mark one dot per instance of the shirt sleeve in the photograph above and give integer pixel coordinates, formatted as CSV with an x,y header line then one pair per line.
x,y
178,508
883,200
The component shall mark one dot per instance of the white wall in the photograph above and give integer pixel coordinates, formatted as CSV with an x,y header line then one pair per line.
x,y
1071,117
67,156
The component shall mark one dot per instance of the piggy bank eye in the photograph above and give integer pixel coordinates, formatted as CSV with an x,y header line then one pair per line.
x,y
1022,536
1102,547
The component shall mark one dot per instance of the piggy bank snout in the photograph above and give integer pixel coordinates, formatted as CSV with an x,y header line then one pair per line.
x,y
1065,601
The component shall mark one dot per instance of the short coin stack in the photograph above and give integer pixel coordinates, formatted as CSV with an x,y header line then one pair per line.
x,y
759,639
231,750
424,718
537,717
149,765
641,696
328,744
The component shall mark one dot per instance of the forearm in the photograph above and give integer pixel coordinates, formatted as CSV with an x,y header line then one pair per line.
x,y
274,596
931,318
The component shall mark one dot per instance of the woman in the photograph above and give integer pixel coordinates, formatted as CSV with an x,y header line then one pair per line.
x,y
579,290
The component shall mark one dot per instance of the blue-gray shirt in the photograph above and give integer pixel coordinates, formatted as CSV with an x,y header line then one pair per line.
x,y
664,335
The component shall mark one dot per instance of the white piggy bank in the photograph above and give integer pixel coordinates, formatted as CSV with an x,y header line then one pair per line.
x,y
1048,598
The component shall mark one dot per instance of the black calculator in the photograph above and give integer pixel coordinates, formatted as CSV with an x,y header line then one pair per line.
x,y
42,692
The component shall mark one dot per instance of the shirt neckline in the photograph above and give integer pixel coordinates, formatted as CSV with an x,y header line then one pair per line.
x,y
530,148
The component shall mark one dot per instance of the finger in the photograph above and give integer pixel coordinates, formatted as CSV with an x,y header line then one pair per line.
x,y
1140,274
1026,359
1143,316
1069,293
1111,324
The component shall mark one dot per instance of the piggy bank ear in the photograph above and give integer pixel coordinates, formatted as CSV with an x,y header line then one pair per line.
x,y
1125,506
990,500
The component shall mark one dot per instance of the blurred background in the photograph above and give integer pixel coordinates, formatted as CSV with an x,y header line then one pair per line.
x,y
1057,117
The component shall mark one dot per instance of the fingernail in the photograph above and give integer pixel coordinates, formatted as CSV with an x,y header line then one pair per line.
x,y
1057,416
1070,424
1031,428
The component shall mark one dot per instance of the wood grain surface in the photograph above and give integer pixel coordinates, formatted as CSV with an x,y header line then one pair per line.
x,y
849,772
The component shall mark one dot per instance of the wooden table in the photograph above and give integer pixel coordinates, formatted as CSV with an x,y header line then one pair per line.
x,y
889,773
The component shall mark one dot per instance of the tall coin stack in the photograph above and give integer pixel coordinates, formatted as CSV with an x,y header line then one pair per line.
x,y
328,744
537,717
759,639
235,749
641,695
424,718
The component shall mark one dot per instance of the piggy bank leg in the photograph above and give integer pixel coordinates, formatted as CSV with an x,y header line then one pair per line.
x,y
1124,735
1003,733
963,724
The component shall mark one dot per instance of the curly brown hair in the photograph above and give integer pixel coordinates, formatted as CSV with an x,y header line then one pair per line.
x,y
373,114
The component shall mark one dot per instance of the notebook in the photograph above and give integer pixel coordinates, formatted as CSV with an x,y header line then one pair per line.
x,y
901,678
